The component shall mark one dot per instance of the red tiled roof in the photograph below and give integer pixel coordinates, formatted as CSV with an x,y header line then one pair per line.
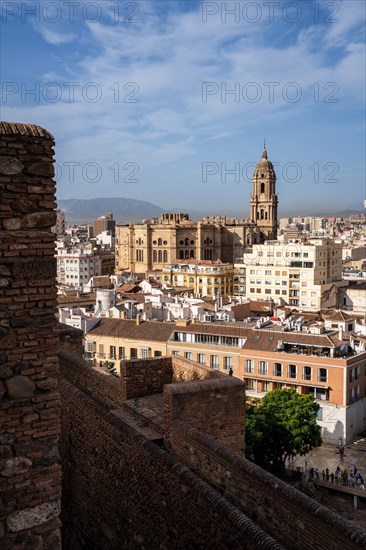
x,y
125,328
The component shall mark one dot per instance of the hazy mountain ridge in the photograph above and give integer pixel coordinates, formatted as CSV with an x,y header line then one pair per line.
x,y
124,210
127,210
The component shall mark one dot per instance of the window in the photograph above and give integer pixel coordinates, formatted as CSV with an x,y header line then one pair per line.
x,y
228,363
121,353
144,353
214,361
249,365
112,352
351,375
133,353
322,375
266,386
157,353
250,384
174,352
263,367
188,355
306,373
319,415
292,371
201,358
277,369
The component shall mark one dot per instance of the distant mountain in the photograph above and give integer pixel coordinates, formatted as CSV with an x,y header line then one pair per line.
x,y
124,210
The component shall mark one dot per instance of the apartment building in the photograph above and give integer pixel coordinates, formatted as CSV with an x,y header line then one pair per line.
x,y
113,340
301,273
76,266
204,278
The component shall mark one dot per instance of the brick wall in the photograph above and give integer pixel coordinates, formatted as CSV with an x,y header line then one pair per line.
x,y
29,460
95,381
215,407
187,370
293,518
122,491
141,377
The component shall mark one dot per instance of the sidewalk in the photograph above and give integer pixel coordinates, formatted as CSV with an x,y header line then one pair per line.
x,y
327,456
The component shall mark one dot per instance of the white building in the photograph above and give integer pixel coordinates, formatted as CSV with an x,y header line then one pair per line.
x,y
301,273
76,265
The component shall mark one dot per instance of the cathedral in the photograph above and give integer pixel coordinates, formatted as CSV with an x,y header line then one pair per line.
x,y
150,245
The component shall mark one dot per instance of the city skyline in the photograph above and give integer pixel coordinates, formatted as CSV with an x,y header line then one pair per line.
x,y
171,103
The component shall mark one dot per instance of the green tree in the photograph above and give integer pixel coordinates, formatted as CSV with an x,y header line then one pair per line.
x,y
281,426
109,366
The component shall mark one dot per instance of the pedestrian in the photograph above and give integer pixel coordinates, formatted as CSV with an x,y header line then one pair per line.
x,y
231,371
311,473
323,475
316,473
327,474
332,477
337,474
345,477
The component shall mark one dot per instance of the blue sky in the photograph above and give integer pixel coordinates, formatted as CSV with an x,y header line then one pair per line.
x,y
169,101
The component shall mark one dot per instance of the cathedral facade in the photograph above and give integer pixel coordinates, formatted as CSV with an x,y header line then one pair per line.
x,y
153,244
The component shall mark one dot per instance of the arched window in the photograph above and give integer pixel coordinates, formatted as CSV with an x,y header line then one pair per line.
x,y
160,256
262,214
266,216
165,256
160,242
155,256
186,254
262,187
186,242
181,254
192,254
137,255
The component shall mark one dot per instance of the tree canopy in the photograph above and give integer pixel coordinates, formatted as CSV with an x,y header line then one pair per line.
x,y
281,426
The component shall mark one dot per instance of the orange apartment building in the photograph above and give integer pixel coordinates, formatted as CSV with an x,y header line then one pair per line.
x,y
267,356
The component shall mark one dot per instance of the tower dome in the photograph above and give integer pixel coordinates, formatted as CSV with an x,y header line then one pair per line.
x,y
264,163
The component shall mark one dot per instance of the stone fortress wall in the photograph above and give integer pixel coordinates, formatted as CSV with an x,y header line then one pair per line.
x,y
30,474
140,492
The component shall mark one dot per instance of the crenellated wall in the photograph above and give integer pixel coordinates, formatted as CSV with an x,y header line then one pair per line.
x,y
30,474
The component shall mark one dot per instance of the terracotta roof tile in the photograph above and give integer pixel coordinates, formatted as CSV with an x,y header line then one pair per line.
x,y
125,328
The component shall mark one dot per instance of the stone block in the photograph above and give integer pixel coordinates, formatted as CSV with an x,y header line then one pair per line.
x,y
10,166
11,224
32,517
39,219
16,466
20,387
41,168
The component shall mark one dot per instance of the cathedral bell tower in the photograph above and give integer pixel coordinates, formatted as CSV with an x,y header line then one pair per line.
x,y
263,200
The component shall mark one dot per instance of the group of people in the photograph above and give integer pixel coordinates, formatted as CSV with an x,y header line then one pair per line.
x,y
347,479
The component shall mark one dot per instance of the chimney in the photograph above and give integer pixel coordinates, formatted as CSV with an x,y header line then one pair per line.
x,y
340,332
138,319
